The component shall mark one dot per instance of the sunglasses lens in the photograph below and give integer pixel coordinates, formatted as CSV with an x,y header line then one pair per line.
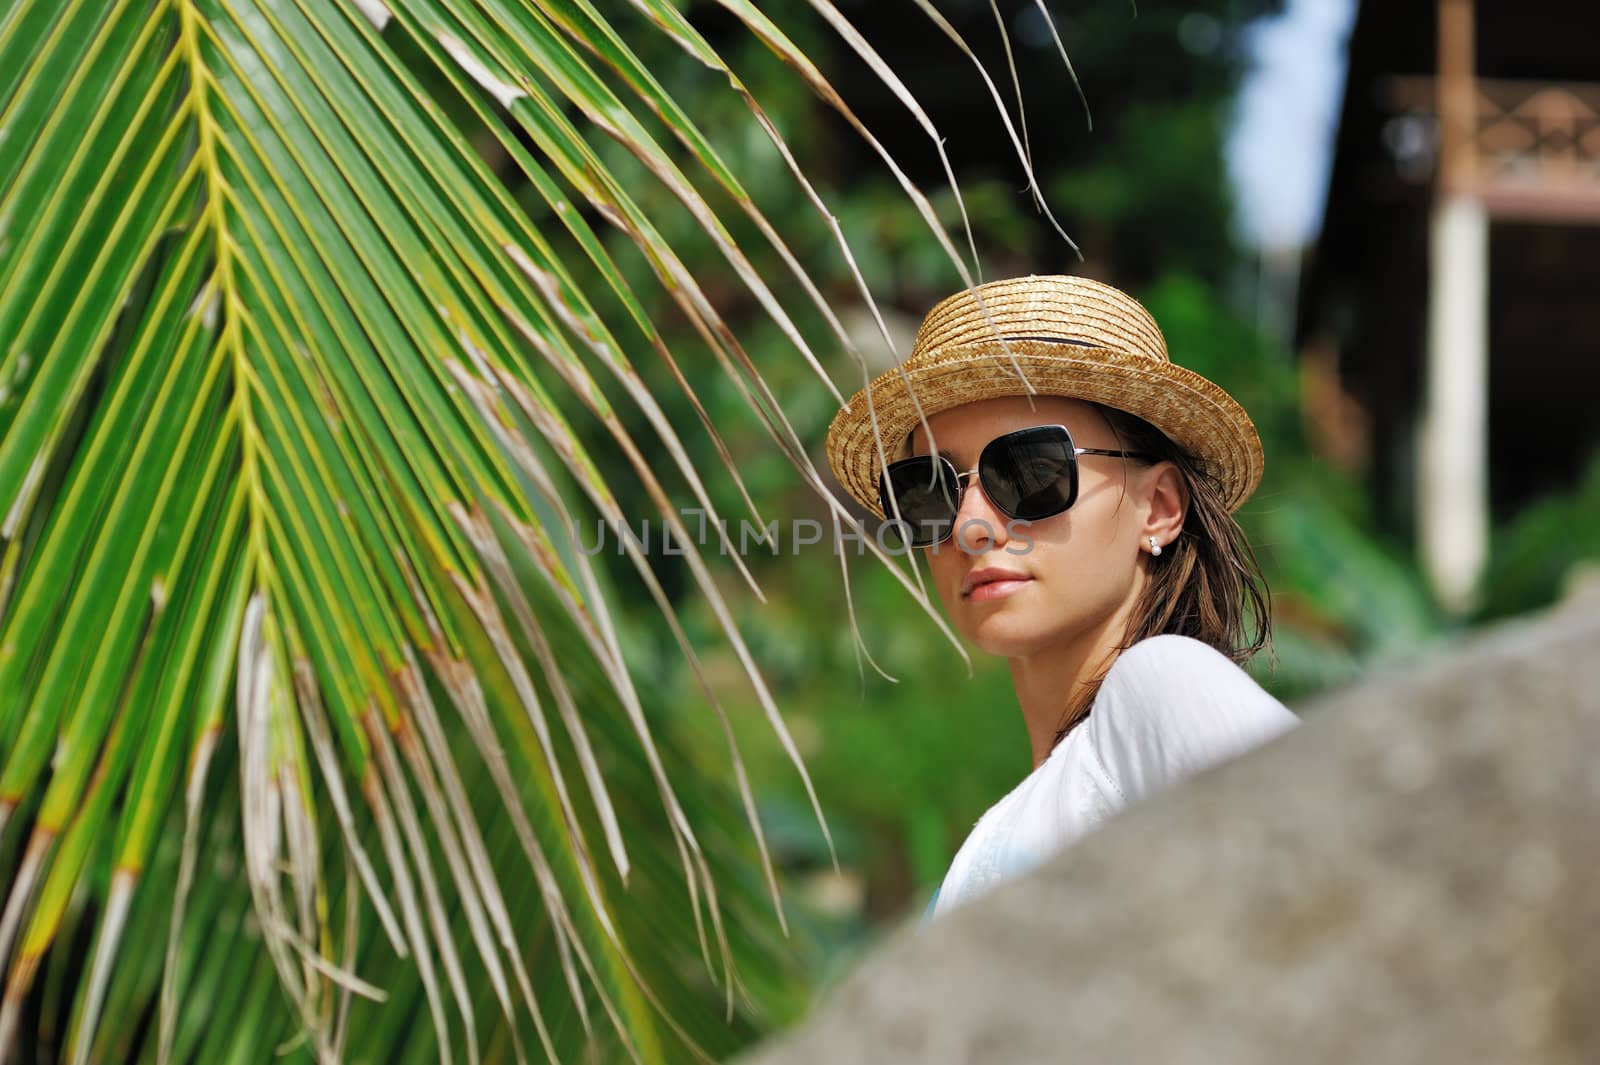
x,y
928,492
1031,474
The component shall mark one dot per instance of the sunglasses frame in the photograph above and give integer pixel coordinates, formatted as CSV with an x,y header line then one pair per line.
x,y
984,460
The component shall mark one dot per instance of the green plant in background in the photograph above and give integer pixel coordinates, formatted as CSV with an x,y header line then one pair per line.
x,y
320,327
1534,557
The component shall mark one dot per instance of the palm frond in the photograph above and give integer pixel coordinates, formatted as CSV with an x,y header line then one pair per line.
x,y
317,729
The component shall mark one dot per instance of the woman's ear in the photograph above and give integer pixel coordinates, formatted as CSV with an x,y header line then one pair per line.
x,y
1169,501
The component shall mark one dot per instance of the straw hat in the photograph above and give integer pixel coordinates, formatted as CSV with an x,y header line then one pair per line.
x,y
1071,337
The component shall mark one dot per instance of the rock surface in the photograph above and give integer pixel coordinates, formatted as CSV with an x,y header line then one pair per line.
x,y
1413,876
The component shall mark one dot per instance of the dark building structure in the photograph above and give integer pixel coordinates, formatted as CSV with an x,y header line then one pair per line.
x,y
1456,286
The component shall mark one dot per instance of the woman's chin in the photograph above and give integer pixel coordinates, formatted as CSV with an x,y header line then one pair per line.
x,y
1007,637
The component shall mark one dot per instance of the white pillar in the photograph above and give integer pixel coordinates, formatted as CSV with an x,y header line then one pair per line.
x,y
1452,467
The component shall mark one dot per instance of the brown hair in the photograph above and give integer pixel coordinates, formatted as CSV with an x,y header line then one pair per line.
x,y
1206,584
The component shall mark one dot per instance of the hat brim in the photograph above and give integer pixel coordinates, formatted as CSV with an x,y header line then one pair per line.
x,y
1193,412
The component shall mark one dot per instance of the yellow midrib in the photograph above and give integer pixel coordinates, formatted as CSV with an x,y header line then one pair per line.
x,y
229,342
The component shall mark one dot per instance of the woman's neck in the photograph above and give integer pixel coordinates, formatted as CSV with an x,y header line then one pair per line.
x,y
1051,681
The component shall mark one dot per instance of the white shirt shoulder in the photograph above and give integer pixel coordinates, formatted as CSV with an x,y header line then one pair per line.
x,y
1171,706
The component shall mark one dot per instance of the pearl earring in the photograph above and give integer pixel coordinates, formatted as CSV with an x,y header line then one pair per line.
x,y
1155,548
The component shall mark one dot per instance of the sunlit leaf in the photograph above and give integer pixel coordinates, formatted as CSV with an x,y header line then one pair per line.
x,y
318,734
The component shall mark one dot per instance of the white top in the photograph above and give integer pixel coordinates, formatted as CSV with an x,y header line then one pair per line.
x,y
1169,707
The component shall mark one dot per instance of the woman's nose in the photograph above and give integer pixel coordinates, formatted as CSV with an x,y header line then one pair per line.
x,y
978,520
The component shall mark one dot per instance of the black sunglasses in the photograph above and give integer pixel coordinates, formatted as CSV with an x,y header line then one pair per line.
x,y
1029,474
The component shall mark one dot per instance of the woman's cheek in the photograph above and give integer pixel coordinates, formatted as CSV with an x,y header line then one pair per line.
x,y
947,576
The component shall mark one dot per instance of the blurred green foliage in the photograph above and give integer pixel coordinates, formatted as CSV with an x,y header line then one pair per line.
x,y
1537,554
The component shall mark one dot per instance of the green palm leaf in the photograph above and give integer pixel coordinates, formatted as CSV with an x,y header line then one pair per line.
x,y
300,671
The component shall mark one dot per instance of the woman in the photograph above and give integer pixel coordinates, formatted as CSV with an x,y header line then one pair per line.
x,y
1098,552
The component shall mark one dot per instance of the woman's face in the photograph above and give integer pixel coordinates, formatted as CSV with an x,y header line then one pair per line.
x,y
1076,569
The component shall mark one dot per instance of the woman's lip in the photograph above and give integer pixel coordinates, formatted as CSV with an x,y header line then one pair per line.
x,y
997,589
987,574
